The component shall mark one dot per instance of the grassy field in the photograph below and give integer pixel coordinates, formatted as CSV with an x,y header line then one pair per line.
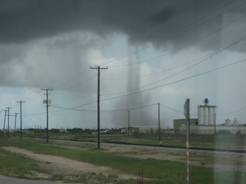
x,y
161,171
15,165
220,141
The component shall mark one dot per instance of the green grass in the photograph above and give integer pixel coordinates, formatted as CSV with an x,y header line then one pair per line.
x,y
220,141
15,165
168,172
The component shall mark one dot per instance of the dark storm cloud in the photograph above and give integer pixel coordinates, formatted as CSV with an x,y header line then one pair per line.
x,y
175,22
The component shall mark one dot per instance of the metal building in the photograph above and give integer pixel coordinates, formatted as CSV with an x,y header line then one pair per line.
x,y
206,114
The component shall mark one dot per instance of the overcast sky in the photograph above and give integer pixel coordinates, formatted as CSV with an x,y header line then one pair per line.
x,y
149,47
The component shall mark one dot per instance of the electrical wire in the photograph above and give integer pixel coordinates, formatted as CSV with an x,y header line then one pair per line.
x,y
167,84
201,23
177,81
203,60
134,92
241,109
184,29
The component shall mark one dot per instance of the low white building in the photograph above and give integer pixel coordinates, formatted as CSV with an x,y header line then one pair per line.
x,y
196,129
205,124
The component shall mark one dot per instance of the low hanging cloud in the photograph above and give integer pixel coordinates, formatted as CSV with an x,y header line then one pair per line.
x,y
60,62
53,42
177,23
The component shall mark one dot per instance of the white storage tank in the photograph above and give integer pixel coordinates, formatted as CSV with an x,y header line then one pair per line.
x,y
206,114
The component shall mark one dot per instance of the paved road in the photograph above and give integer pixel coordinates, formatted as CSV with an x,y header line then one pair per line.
x,y
10,180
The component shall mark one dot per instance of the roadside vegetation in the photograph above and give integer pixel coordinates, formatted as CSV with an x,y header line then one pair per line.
x,y
17,165
12,164
222,140
156,171
219,141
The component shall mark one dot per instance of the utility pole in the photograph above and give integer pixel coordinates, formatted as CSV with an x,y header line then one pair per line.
x,y
187,116
47,102
214,123
128,122
98,68
159,121
15,120
8,108
21,102
4,122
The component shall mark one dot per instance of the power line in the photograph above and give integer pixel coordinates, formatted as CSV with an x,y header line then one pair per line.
x,y
105,110
206,58
41,113
142,106
130,108
205,21
180,112
201,22
170,83
123,110
203,59
184,29
73,109
178,81
232,112
90,103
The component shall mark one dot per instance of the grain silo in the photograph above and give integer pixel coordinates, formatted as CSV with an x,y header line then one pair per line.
x,y
206,113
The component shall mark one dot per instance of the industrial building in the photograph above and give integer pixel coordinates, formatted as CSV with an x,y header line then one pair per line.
x,y
179,125
143,130
205,123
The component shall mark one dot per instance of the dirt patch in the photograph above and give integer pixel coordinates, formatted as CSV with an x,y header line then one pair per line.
x,y
62,164
39,175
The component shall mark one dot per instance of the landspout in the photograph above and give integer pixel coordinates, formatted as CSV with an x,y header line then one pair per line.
x,y
137,116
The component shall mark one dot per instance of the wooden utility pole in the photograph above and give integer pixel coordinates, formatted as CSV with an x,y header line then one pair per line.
x,y
8,115
15,120
159,121
4,122
187,116
128,122
98,68
47,102
15,124
20,102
